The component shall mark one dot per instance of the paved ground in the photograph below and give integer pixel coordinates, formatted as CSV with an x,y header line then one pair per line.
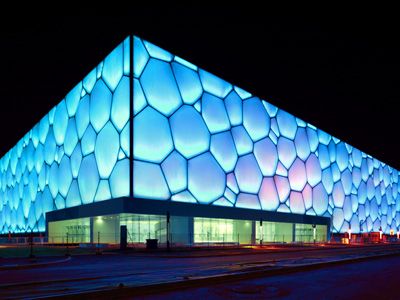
x,y
90,272
374,279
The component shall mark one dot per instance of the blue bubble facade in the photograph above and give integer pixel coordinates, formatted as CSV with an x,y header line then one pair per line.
x,y
200,139
196,139
77,154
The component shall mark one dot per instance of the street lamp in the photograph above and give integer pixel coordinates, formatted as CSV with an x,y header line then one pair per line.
x,y
314,232
349,232
380,233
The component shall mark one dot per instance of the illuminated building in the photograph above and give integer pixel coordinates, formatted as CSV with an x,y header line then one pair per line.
x,y
147,134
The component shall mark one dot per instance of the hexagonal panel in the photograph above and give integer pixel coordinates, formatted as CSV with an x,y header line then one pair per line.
x,y
297,175
82,116
248,175
64,176
342,156
296,203
214,85
268,195
266,155
149,181
234,108
249,201
301,143
283,187
113,67
286,152
188,82
106,151
60,122
100,105
119,179
160,87
88,179
190,134
71,137
214,113
152,136
120,104
313,169
140,57
287,124
338,194
243,142
255,119
223,149
206,178
175,171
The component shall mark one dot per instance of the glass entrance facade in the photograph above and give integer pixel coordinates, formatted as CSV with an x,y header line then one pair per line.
x,y
214,231
181,231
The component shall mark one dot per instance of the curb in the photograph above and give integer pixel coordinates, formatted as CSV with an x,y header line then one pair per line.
x,y
149,289
31,266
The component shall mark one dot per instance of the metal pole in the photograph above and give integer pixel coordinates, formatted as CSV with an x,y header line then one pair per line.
x,y
31,246
168,246
98,243
67,254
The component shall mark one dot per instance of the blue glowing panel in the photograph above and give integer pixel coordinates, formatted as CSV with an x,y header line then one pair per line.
x,y
190,133
157,52
60,123
268,195
249,201
297,175
120,104
119,179
88,178
214,113
139,97
100,105
286,152
287,124
242,140
106,151
149,181
296,203
113,67
255,119
188,82
140,58
152,135
207,180
313,168
301,143
248,174
71,138
72,99
267,156
175,172
234,108
82,116
223,149
214,85
160,87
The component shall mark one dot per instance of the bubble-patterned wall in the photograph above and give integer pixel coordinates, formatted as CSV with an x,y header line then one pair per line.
x,y
199,139
196,139
77,154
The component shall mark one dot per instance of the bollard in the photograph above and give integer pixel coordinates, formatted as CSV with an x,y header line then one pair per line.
x,y
67,250
98,252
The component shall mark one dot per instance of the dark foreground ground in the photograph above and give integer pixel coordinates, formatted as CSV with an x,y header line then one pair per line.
x,y
224,273
374,279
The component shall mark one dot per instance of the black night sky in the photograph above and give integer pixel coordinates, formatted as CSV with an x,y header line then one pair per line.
x,y
339,73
